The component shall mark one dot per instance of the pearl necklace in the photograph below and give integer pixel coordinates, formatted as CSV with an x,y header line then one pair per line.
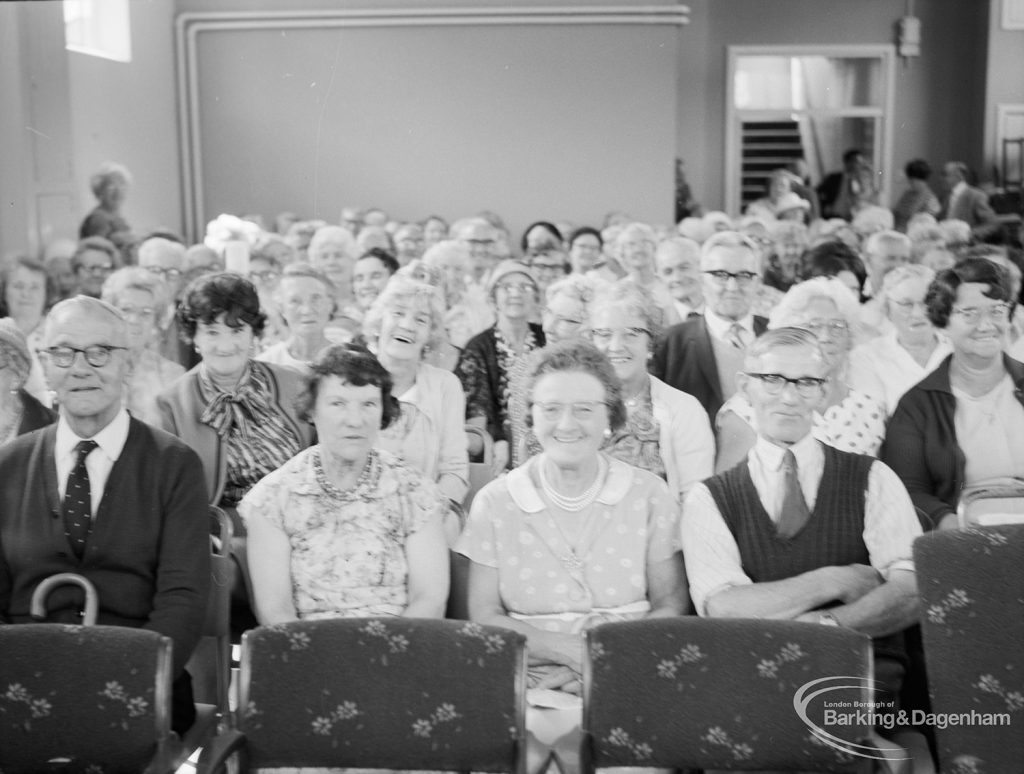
x,y
576,503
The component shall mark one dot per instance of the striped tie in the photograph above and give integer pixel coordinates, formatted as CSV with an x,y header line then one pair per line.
x,y
735,335
77,505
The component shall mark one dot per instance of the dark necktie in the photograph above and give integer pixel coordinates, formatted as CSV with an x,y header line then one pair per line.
x,y
77,505
794,508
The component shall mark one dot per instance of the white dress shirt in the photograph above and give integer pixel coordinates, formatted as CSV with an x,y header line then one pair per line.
x,y
719,327
712,556
111,440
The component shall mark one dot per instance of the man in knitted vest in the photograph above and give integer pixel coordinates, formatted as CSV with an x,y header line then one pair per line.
x,y
800,530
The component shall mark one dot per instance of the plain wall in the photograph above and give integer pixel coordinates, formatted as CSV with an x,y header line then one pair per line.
x,y
554,122
945,108
1005,83
939,104
126,112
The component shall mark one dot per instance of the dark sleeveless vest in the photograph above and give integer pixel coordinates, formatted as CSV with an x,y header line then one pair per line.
x,y
833,536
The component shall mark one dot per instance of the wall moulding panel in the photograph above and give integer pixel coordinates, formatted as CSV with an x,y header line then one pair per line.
x,y
532,59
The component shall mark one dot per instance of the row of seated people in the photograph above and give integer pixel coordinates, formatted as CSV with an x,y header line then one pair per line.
x,y
576,534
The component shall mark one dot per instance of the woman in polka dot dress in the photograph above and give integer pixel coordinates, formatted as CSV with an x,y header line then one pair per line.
x,y
570,539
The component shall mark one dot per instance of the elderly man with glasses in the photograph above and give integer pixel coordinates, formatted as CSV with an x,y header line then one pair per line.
x,y
702,355
107,496
799,529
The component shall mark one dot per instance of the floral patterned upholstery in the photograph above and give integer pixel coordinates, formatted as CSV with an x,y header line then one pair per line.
x,y
719,694
98,696
392,693
972,596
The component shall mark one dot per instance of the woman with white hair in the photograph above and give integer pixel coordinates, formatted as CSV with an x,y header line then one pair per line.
x,y
887,366
305,299
565,314
404,324
846,419
467,314
333,250
666,431
145,301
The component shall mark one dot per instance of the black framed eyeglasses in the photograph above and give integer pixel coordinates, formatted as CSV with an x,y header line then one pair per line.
x,y
722,277
806,386
98,355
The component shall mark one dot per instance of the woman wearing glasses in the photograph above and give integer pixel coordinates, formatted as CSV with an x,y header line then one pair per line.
x,y
846,418
570,539
666,431
886,366
144,300
305,299
962,424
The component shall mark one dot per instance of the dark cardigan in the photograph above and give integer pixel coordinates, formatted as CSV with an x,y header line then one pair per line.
x,y
921,447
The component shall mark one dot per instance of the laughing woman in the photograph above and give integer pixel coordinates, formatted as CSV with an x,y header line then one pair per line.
x,y
403,325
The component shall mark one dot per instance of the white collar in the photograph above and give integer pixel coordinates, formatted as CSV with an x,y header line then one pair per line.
x,y
525,494
111,439
719,326
807,452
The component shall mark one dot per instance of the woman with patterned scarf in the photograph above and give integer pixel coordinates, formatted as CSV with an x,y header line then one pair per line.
x,y
237,413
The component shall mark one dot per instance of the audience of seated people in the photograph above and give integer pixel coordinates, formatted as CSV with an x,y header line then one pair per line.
x,y
609,368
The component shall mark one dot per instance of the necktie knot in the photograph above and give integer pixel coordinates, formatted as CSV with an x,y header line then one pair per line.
x,y
83,449
735,335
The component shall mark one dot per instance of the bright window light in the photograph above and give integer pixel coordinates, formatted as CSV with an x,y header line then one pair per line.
x,y
99,28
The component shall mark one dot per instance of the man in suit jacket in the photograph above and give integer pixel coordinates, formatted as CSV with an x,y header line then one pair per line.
x,y
106,496
702,355
967,203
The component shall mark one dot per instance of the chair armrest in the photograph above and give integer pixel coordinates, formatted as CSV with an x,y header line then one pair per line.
x,y
215,755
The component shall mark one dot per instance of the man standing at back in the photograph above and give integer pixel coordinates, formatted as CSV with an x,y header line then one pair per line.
x,y
702,355
106,496
967,203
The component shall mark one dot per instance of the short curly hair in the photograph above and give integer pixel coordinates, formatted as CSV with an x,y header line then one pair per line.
x,y
633,299
225,293
405,288
354,364
574,356
942,291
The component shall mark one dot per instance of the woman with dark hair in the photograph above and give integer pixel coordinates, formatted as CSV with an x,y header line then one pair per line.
x,y
585,249
237,413
963,424
26,294
343,529
370,276
570,539
540,237
918,197
837,259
